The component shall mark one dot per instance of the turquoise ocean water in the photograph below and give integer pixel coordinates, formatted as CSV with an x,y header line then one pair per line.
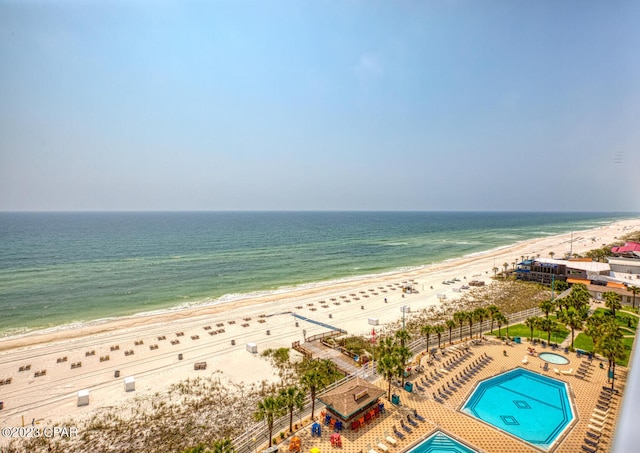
x,y
68,268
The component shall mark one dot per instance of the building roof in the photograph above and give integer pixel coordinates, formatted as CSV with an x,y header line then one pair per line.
x,y
587,266
628,247
351,397
619,261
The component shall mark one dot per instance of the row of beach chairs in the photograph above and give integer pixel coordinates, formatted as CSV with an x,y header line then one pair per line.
x,y
411,419
456,381
599,420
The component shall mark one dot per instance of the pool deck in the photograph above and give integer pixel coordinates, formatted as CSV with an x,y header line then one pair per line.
x,y
474,433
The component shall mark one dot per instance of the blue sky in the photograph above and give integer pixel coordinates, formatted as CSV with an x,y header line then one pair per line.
x,y
287,105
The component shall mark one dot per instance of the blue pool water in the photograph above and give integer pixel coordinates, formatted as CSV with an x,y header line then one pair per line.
x,y
439,442
530,406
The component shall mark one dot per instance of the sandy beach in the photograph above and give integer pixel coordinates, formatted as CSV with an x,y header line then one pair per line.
x,y
161,350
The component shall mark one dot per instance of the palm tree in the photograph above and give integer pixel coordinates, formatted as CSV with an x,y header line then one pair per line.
x,y
292,398
547,325
450,323
612,302
613,349
479,314
318,375
495,272
460,317
426,330
579,296
506,266
500,320
404,355
403,336
635,290
546,306
492,311
388,366
531,323
268,410
551,254
573,320
438,329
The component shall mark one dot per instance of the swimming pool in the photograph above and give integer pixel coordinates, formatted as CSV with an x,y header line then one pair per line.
x,y
530,406
556,359
439,442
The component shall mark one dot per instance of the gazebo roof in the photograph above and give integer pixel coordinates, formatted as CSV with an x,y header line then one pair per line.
x,y
351,397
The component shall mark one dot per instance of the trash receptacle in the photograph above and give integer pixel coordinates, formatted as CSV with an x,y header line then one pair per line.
x,y
408,386
395,399
116,373
179,356
516,339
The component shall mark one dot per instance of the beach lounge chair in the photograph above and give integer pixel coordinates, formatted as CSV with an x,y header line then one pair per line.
x,y
390,440
601,412
591,442
597,429
593,435
381,446
606,396
397,433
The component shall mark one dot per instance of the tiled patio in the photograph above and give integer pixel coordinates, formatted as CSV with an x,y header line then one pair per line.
x,y
476,434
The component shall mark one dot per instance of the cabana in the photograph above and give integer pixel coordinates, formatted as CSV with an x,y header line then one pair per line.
x,y
353,403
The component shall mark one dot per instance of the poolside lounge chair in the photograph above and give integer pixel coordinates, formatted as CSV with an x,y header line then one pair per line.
x,y
593,435
557,371
381,446
602,418
435,398
591,442
567,372
411,421
606,396
405,427
597,429
390,440
418,416
601,412
596,422
370,450
589,449
397,433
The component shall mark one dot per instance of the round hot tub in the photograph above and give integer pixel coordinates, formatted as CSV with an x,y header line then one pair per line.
x,y
556,359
